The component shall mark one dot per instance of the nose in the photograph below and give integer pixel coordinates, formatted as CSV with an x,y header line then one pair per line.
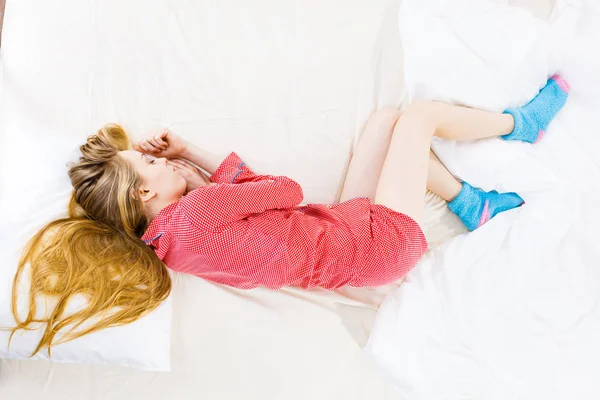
x,y
163,160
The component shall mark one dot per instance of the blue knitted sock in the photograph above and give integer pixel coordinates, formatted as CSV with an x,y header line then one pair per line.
x,y
475,207
532,119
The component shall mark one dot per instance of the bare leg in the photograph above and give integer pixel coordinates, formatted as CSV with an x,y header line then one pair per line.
x,y
369,155
403,178
440,181
404,175
464,124
367,161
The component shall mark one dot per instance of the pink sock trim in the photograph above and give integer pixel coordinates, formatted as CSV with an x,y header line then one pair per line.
x,y
485,215
564,85
541,134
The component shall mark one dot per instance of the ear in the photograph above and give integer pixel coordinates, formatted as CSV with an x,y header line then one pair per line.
x,y
146,194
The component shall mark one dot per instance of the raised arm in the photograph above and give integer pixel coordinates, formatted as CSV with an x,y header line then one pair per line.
x,y
168,144
239,194
202,158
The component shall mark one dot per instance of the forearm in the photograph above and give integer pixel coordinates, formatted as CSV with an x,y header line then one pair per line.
x,y
204,159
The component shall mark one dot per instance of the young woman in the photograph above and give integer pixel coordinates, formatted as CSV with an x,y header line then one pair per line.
x,y
132,210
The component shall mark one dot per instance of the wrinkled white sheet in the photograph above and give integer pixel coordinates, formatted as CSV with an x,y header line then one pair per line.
x,y
511,311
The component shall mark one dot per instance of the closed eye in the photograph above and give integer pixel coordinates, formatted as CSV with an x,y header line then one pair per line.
x,y
146,157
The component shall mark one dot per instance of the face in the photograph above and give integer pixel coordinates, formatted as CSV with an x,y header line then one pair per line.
x,y
161,183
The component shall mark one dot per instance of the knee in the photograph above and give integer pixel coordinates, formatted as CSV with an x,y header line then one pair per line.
x,y
387,112
422,109
423,116
419,118
385,117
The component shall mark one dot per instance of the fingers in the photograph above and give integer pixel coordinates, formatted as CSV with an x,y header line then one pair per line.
x,y
144,146
154,142
183,164
183,161
160,140
151,145
183,172
180,170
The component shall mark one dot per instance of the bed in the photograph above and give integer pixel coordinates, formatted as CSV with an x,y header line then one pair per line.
x,y
288,85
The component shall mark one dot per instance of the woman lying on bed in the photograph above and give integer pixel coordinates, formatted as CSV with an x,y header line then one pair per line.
x,y
132,210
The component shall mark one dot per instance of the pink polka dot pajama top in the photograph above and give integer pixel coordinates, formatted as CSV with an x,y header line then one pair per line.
x,y
249,230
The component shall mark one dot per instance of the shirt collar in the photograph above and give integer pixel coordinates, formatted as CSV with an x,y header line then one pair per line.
x,y
158,224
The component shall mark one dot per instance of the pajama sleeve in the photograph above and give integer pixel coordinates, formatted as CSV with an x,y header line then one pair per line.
x,y
238,194
233,170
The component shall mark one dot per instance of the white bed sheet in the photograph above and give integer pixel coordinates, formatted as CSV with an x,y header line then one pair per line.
x,y
288,86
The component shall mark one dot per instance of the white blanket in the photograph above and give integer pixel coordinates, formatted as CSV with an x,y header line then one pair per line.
x,y
512,310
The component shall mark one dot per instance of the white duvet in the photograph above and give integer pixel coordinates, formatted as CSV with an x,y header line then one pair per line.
x,y
512,310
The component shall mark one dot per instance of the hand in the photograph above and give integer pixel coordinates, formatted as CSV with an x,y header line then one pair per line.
x,y
165,144
192,175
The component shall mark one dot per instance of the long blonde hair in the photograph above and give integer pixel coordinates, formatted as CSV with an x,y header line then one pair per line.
x,y
96,252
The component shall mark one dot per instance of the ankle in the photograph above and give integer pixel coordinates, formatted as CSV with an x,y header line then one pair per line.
x,y
509,124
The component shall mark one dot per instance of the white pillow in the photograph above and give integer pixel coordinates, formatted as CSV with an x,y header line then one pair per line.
x,y
36,191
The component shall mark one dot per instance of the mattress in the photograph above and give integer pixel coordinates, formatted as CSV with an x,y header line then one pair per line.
x,y
287,85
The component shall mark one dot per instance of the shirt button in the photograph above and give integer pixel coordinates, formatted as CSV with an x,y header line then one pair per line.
x,y
329,206
271,178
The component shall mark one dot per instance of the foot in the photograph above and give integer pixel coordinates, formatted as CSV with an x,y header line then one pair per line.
x,y
531,120
475,207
